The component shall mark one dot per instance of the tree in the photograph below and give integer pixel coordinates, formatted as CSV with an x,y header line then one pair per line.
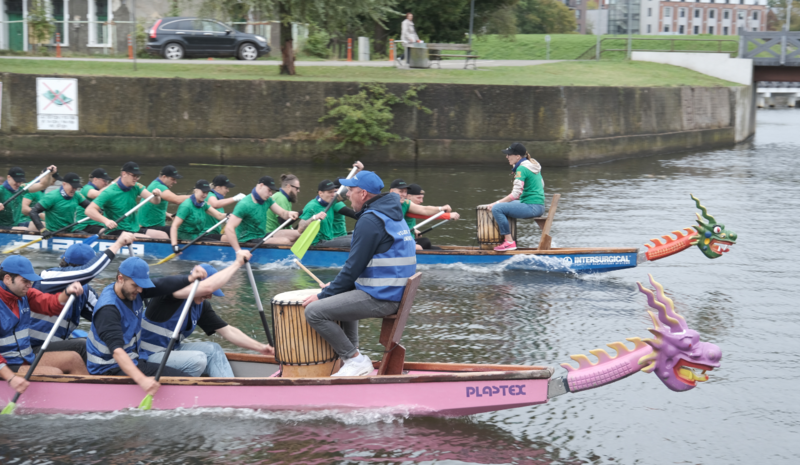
x,y
544,17
779,9
503,22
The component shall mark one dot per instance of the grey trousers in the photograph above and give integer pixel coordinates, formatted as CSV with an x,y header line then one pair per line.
x,y
347,307
341,241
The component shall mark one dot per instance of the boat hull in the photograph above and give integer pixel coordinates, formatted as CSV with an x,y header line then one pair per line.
x,y
575,260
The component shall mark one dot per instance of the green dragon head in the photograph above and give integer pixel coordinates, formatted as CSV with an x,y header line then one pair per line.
x,y
714,239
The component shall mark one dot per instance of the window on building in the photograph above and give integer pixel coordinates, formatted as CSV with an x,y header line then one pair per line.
x,y
666,28
725,30
667,13
711,14
578,14
100,14
726,14
57,13
755,29
578,2
711,30
682,12
696,30
649,28
649,12
697,12
741,2
741,15
755,16
681,30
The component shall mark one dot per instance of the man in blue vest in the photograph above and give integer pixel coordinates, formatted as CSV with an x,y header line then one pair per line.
x,y
79,264
372,281
200,357
112,347
17,300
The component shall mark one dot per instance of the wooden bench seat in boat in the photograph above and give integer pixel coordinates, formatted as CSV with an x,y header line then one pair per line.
x,y
394,354
546,222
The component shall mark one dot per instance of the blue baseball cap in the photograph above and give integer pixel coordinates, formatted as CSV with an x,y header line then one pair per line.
x,y
211,272
366,180
17,264
137,269
78,254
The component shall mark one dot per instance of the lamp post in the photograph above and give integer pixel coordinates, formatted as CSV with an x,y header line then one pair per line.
x,y
788,15
630,25
471,20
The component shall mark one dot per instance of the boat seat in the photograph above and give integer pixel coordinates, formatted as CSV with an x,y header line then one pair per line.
x,y
394,354
545,222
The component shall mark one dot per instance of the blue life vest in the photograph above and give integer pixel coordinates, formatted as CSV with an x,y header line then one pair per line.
x,y
42,324
15,343
98,356
156,336
386,275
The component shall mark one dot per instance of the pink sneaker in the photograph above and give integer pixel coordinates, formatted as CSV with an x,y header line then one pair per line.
x,y
506,246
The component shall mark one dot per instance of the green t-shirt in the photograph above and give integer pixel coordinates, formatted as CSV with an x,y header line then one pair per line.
x,y
12,213
154,215
115,202
81,213
34,197
209,220
60,210
411,222
254,218
194,219
533,192
273,220
339,220
327,227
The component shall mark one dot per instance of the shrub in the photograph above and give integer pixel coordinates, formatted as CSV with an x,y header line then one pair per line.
x,y
317,43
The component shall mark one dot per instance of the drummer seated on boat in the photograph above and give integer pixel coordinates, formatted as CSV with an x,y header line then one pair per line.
x,y
11,216
18,300
372,281
315,210
248,221
199,357
190,220
414,210
78,264
98,181
526,199
154,216
60,205
118,199
115,337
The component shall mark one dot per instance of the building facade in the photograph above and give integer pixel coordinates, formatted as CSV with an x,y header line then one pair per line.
x,y
712,17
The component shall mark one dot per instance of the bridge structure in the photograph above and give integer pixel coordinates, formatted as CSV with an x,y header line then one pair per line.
x,y
775,55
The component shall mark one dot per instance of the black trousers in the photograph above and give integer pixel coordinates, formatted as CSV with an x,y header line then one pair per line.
x,y
77,345
148,369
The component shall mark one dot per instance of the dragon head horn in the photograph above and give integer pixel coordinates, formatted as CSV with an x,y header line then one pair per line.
x,y
703,209
666,310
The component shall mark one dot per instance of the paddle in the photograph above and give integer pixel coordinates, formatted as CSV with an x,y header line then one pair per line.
x,y
302,244
45,236
430,219
170,257
9,409
147,402
26,187
433,227
321,284
253,282
130,212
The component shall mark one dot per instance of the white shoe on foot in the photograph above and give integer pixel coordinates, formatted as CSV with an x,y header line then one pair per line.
x,y
356,366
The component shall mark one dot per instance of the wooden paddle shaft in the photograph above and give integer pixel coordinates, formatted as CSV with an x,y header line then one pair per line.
x,y
176,333
321,284
130,212
258,303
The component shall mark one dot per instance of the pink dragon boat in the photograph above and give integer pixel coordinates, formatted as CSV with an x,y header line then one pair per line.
x,y
675,353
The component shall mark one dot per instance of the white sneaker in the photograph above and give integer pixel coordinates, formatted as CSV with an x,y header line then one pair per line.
x,y
356,366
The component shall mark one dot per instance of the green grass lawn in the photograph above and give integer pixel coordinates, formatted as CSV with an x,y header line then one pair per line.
x,y
571,46
574,73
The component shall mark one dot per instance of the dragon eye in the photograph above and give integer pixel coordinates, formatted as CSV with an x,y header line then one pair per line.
x,y
717,230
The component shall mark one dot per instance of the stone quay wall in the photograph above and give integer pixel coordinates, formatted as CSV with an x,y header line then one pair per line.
x,y
253,122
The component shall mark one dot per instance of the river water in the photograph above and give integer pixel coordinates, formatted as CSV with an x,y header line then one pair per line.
x,y
746,413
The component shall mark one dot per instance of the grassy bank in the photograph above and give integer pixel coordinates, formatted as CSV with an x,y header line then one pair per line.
x,y
576,73
571,46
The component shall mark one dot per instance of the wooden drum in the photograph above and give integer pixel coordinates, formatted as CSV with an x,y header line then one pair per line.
x,y
300,350
489,235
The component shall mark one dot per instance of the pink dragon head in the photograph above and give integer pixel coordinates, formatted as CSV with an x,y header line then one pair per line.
x,y
679,358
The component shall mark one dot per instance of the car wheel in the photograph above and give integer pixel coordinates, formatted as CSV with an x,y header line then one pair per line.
x,y
248,52
173,51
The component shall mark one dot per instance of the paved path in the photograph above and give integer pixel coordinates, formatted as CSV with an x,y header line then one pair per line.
x,y
446,64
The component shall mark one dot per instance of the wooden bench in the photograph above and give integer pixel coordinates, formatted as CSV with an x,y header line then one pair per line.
x,y
394,355
435,54
545,222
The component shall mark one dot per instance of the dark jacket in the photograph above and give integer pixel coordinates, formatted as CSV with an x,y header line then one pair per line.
x,y
369,238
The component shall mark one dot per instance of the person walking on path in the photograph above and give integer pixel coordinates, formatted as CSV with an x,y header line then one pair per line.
x,y
372,281
526,199
408,35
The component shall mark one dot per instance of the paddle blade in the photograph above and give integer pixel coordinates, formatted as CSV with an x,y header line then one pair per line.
x,y
147,403
166,259
90,240
13,249
9,409
304,242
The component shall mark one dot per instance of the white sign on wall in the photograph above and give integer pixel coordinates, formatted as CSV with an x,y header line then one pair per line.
x,y
57,104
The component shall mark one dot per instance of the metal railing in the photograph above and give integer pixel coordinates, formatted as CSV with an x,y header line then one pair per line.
x,y
771,48
732,45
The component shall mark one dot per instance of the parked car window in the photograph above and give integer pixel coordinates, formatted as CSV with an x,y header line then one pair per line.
x,y
213,26
180,25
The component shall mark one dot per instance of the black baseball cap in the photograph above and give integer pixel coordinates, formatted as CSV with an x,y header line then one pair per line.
x,y
170,172
17,173
414,189
222,180
203,185
398,184
269,182
72,179
100,173
131,167
515,149
326,185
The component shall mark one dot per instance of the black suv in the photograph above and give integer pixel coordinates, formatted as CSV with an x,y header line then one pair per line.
x,y
176,38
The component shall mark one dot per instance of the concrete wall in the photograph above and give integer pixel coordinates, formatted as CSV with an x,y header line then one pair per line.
x,y
719,65
251,122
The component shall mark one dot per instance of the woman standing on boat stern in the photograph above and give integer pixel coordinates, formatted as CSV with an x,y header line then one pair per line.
x,y
526,199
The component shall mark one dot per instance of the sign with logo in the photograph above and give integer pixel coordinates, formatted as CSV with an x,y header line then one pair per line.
x,y
57,104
